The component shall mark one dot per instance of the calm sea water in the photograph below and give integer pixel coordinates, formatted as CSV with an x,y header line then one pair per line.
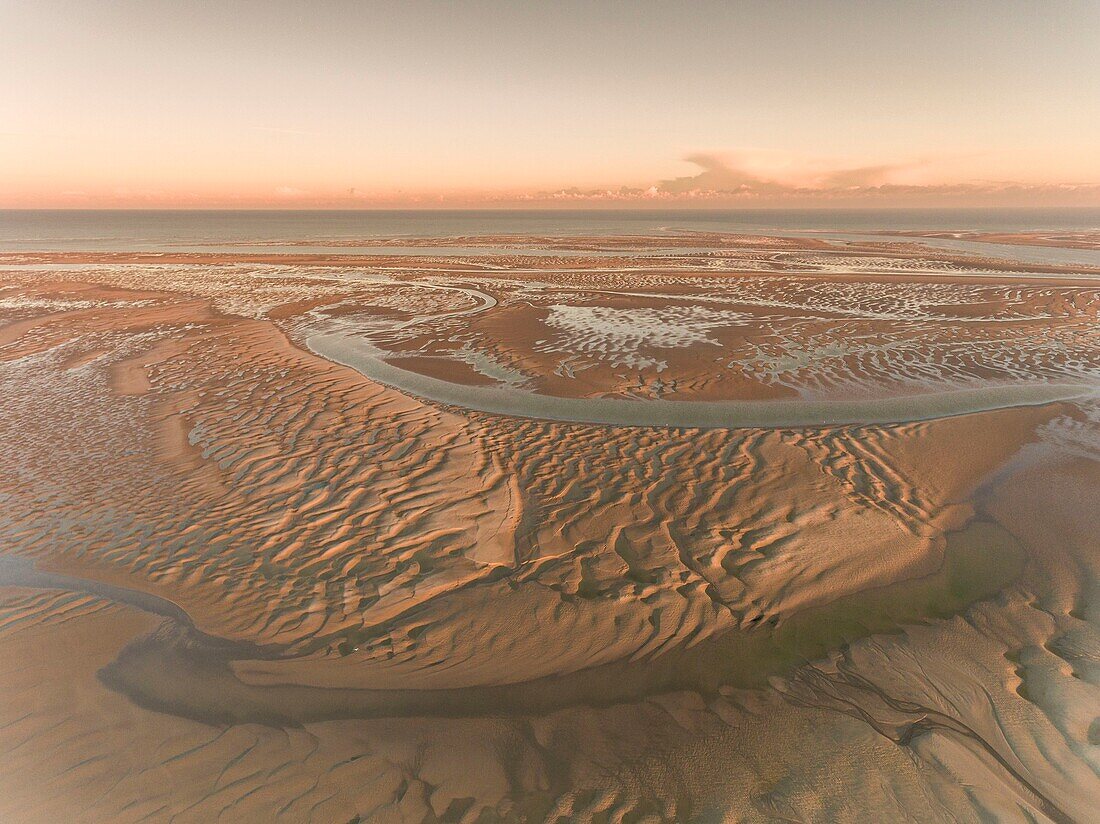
x,y
200,230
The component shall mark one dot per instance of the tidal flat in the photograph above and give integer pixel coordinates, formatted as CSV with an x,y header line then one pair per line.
x,y
670,526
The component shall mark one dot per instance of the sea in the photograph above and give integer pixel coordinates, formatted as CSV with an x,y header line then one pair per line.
x,y
319,231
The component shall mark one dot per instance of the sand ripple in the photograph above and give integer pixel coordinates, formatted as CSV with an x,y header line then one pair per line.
x,y
241,581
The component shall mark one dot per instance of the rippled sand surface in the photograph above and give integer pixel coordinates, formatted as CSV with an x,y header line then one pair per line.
x,y
243,578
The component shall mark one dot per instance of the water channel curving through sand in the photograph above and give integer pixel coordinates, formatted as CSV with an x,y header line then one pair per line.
x,y
367,359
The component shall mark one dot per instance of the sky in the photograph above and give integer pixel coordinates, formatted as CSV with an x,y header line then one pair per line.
x,y
334,103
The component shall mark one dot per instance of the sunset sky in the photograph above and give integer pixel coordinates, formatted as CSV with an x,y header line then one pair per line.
x,y
346,104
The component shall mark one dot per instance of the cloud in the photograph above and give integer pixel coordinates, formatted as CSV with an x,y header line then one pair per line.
x,y
862,176
770,172
717,176
771,178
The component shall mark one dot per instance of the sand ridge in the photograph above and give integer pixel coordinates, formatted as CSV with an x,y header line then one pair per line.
x,y
375,591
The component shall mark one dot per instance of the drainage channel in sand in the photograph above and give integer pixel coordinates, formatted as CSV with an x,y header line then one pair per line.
x,y
369,361
185,672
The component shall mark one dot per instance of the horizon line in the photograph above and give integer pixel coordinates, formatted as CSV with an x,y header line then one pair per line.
x,y
559,209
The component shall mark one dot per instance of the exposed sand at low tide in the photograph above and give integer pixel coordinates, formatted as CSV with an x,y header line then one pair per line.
x,y
268,586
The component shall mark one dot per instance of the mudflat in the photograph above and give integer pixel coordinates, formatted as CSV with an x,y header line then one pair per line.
x,y
700,527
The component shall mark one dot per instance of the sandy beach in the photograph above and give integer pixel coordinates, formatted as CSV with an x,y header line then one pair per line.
x,y
246,578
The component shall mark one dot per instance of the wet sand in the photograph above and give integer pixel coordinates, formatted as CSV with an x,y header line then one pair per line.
x,y
244,577
1058,240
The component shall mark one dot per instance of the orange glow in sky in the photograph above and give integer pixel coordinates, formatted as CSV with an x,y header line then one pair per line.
x,y
346,104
